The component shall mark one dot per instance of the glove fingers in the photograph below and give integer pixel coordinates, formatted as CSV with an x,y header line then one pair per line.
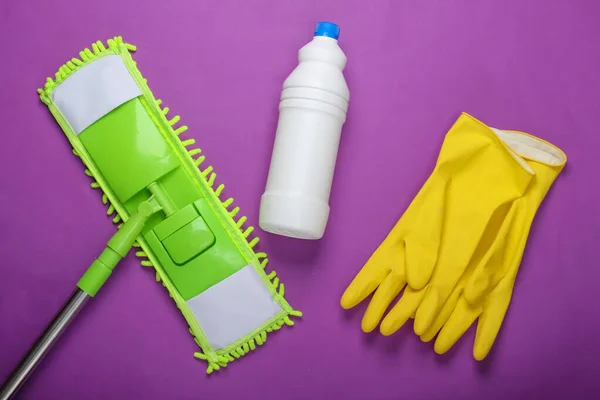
x,y
458,323
439,304
427,311
389,256
402,311
367,280
442,317
489,324
493,264
423,241
453,270
385,293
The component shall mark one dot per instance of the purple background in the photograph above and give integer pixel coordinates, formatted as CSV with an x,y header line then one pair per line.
x,y
412,68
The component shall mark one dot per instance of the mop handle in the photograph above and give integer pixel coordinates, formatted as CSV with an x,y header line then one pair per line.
x,y
90,283
43,344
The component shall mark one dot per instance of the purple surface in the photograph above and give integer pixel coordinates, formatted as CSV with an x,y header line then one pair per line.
x,y
413,67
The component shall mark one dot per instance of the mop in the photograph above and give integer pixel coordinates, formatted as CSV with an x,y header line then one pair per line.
x,y
167,204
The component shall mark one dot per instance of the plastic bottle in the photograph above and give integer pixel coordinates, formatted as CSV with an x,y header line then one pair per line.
x,y
312,111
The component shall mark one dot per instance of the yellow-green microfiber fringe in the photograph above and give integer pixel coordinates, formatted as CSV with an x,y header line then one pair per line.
x,y
204,178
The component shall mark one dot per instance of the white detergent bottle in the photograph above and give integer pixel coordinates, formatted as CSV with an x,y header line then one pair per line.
x,y
312,111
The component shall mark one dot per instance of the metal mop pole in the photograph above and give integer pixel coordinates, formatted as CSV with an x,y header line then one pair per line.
x,y
43,344
89,284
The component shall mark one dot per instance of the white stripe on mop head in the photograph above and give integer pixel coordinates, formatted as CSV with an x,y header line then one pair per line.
x,y
234,307
94,90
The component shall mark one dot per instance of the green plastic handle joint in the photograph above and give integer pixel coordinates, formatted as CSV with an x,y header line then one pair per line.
x,y
118,246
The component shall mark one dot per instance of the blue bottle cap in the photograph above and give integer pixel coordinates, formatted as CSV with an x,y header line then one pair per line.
x,y
328,29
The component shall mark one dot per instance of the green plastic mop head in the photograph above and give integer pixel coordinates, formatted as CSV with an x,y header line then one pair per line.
x,y
200,252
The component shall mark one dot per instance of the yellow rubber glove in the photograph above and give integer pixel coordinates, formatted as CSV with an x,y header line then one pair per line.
x,y
485,290
425,304
475,175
